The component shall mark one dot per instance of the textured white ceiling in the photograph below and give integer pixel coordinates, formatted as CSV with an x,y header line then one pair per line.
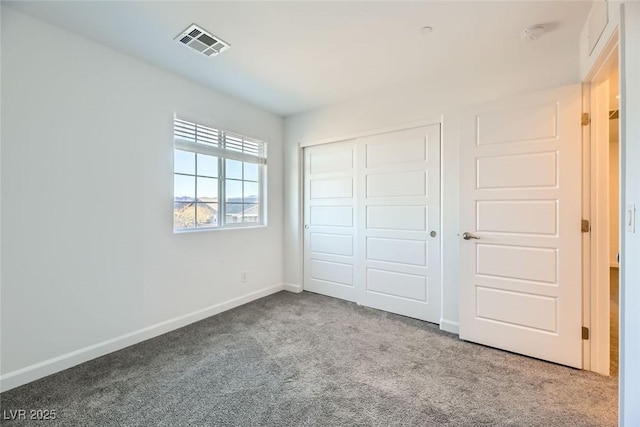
x,y
289,57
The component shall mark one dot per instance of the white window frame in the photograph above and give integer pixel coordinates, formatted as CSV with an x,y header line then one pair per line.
x,y
227,145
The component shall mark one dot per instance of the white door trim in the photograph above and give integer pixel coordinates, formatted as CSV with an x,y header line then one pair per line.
x,y
586,240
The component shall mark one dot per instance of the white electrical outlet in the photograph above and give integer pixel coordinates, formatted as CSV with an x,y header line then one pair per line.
x,y
630,218
243,276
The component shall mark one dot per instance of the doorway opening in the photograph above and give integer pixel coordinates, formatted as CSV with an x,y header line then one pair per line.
x,y
604,213
614,218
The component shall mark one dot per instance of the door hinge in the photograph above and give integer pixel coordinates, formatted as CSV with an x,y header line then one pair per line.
x,y
585,333
586,119
585,226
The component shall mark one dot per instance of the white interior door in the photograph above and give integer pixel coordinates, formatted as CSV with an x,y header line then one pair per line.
x,y
329,212
372,221
521,271
399,222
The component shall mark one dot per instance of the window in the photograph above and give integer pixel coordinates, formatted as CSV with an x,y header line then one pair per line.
x,y
218,178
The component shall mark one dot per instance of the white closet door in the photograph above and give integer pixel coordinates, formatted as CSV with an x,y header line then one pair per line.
x,y
372,221
330,226
399,222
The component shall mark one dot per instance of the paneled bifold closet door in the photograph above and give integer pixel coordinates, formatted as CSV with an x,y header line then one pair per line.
x,y
372,221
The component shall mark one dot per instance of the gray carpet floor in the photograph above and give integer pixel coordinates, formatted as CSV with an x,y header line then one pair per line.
x,y
614,321
305,359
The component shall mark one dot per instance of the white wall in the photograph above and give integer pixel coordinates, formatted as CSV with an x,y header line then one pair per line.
x,y
413,102
89,259
630,265
611,13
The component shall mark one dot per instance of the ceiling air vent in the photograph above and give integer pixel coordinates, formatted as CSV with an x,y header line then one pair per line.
x,y
202,41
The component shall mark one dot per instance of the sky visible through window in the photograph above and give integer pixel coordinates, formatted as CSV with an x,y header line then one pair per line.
x,y
185,163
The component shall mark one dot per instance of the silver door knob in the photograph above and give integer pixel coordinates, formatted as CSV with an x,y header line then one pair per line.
x,y
466,236
306,226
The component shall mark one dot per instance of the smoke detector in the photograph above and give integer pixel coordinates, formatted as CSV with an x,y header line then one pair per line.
x,y
202,41
532,33
426,30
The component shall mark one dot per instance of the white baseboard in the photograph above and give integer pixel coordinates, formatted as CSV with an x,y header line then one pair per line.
x,y
292,288
449,326
42,369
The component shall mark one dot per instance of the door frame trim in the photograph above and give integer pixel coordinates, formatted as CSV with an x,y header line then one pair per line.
x,y
434,120
596,350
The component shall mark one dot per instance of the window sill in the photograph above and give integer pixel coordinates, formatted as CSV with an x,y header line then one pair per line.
x,y
200,230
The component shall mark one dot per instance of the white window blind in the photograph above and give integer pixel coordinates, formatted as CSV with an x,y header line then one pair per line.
x,y
189,136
